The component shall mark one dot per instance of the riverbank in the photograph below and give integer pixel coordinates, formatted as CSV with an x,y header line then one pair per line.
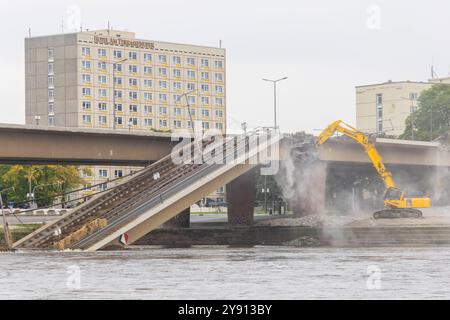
x,y
17,233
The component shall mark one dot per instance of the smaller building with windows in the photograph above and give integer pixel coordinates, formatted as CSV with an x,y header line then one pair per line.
x,y
383,108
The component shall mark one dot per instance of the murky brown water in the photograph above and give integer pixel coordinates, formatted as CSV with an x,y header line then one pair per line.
x,y
229,273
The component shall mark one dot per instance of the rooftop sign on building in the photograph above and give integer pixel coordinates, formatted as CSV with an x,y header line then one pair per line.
x,y
109,41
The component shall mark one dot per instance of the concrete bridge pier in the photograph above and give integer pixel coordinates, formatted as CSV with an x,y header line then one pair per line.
x,y
181,221
241,197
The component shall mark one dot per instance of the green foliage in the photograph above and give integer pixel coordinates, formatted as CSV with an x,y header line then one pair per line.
x,y
274,193
45,181
432,118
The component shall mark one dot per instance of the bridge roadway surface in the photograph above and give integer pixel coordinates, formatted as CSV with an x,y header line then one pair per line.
x,y
141,203
50,145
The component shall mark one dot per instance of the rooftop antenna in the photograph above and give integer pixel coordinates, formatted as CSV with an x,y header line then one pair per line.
x,y
109,28
220,44
29,32
81,28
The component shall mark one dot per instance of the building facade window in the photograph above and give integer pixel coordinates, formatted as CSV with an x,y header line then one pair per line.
x,y
102,93
102,53
117,54
133,122
163,97
118,174
51,54
133,95
102,106
147,57
103,80
51,82
219,101
163,110
191,74
86,51
86,92
117,67
51,69
118,94
148,71
176,60
148,122
205,101
87,119
148,83
205,63
191,61
133,108
177,85
205,113
132,55
162,58
191,86
205,76
102,120
102,65
177,111
219,113
133,82
103,173
86,64
51,108
379,112
133,69
148,109
177,124
119,107
86,105
205,88
86,78
51,95
148,96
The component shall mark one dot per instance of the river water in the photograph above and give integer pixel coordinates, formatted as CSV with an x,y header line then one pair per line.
x,y
229,273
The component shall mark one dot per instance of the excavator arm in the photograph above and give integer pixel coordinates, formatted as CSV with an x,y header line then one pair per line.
x,y
361,138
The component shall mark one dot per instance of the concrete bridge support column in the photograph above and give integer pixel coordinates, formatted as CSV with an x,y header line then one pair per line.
x,y
183,220
241,195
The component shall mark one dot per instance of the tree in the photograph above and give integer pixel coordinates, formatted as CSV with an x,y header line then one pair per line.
x,y
432,118
46,181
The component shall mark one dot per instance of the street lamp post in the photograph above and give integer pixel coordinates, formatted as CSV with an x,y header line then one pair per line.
x,y
33,193
189,109
114,91
5,221
275,98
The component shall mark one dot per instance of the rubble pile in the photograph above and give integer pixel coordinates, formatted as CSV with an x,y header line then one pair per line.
x,y
313,221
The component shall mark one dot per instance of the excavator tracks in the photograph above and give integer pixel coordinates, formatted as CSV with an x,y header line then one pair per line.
x,y
398,214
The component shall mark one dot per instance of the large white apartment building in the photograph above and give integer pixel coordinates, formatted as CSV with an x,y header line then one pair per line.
x,y
109,79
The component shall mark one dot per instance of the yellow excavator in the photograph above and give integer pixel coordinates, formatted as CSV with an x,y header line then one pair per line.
x,y
397,204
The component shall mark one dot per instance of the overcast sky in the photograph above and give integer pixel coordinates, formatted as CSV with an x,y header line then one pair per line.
x,y
325,47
